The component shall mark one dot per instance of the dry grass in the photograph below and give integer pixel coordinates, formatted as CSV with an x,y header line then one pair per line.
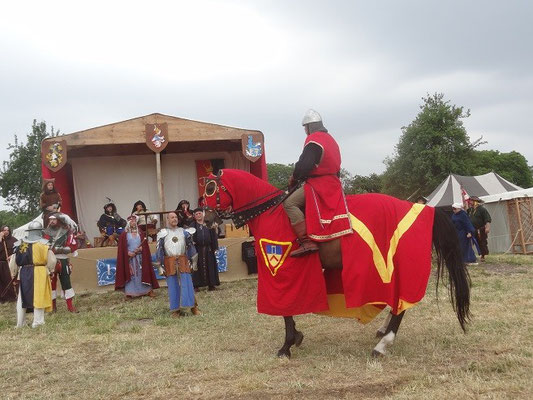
x,y
116,349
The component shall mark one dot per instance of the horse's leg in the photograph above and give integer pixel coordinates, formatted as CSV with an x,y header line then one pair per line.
x,y
389,336
381,331
292,337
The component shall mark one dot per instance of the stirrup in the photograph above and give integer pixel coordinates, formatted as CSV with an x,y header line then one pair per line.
x,y
304,250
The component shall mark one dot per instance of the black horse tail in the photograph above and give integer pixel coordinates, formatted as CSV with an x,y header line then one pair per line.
x,y
449,253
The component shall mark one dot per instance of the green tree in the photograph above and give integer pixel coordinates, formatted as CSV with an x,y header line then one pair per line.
x,y
432,146
13,220
279,174
364,184
511,166
20,178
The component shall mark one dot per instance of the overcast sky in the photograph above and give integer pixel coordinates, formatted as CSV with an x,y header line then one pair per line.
x,y
364,65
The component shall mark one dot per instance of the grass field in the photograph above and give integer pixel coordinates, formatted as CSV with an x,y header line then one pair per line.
x,y
115,349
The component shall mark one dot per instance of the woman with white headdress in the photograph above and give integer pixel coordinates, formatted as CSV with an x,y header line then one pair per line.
x,y
135,274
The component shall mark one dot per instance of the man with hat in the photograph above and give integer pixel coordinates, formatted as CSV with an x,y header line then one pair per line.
x,y
60,234
481,220
110,224
206,243
326,213
31,264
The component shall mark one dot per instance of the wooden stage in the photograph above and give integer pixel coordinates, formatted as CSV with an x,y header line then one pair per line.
x,y
84,276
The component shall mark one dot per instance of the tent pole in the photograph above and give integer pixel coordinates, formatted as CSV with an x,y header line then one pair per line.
x,y
160,186
521,228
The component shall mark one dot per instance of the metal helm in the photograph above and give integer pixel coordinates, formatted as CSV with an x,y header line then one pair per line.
x,y
311,116
35,232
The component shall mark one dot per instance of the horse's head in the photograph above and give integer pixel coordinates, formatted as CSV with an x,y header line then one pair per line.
x,y
216,195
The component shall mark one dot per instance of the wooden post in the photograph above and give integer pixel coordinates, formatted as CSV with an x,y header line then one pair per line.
x,y
521,228
160,186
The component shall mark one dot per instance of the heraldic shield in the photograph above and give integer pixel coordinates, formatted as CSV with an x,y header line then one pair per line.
x,y
156,136
54,154
274,253
252,146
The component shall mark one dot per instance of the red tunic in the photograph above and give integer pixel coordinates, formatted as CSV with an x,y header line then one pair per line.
x,y
123,274
325,205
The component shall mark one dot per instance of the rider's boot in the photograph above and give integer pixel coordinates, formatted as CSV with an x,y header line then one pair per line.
x,y
307,246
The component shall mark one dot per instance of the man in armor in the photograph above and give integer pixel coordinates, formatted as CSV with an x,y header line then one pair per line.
x,y
31,264
62,240
317,189
177,256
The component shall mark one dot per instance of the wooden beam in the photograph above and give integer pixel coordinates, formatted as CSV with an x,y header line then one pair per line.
x,y
160,185
520,227
142,149
133,131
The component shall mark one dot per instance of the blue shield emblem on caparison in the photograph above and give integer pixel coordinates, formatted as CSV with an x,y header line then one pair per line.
x,y
274,254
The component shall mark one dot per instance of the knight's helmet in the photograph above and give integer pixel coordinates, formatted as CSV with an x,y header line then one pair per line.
x,y
311,116
312,122
34,232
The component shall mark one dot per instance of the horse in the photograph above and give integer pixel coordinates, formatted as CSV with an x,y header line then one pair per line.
x,y
349,277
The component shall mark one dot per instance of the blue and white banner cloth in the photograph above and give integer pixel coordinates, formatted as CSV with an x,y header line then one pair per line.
x,y
106,269
222,259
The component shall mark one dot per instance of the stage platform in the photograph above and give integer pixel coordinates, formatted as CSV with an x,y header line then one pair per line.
x,y
84,276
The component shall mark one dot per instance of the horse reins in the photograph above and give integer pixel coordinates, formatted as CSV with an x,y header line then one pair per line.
x,y
241,217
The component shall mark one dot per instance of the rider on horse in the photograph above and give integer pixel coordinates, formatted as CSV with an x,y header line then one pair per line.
x,y
326,214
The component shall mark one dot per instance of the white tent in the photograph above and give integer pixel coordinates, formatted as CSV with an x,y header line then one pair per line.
x,y
20,232
450,190
512,221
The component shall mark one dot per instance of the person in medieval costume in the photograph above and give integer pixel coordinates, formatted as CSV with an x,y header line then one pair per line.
x,y
206,243
481,220
140,207
111,224
177,256
185,217
317,189
146,223
465,232
50,200
32,264
60,234
135,273
7,287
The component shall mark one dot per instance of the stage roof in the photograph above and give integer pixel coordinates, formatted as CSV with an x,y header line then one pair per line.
x,y
128,137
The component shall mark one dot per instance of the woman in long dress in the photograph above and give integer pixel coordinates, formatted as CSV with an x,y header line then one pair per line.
x,y
134,273
465,232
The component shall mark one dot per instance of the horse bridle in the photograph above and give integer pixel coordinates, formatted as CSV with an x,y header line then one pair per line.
x,y
240,218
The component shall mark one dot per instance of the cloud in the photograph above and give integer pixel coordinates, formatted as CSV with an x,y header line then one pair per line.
x,y
259,64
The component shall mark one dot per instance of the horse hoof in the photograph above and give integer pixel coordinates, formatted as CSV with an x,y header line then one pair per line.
x,y
377,354
299,337
380,334
284,354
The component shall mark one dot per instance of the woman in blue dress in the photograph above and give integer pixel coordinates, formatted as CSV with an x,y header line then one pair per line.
x,y
135,274
465,231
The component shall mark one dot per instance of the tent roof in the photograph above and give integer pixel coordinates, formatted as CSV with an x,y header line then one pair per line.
x,y
184,136
508,195
449,191
19,233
